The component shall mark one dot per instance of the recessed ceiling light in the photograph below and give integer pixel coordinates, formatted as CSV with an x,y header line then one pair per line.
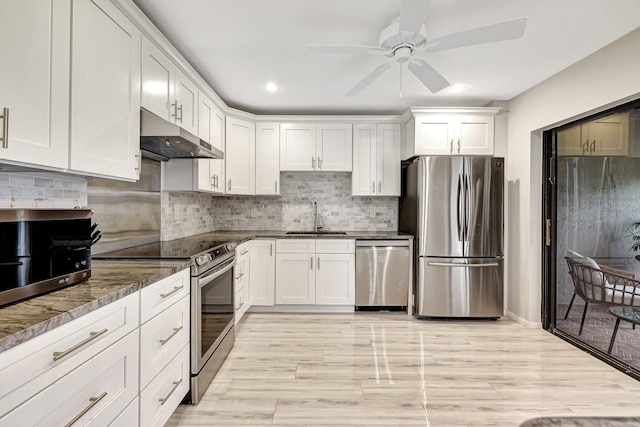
x,y
457,88
271,87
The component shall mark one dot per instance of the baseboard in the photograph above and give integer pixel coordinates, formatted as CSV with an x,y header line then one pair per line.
x,y
302,309
524,322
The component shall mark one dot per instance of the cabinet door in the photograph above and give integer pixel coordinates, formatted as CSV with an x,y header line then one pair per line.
x,y
34,41
187,103
205,118
105,91
388,139
295,279
434,134
608,136
263,267
240,160
570,142
267,158
158,81
216,166
363,177
335,279
297,146
334,147
474,135
204,179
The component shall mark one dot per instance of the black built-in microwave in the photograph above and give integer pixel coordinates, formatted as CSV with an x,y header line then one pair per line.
x,y
42,250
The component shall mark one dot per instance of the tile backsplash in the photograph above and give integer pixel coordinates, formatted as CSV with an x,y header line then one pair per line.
x,y
41,190
186,214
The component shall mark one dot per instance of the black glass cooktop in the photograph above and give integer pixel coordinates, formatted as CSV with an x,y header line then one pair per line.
x,y
174,249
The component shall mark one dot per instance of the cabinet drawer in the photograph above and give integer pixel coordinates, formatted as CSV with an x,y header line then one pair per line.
x,y
161,338
96,392
335,246
30,367
243,249
129,417
157,297
163,395
296,246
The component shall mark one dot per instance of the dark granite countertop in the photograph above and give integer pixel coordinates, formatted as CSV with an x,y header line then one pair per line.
x,y
110,280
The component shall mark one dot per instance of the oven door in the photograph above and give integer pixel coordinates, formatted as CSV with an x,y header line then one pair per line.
x,y
212,312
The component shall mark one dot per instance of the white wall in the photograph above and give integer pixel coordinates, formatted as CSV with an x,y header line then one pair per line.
x,y
606,78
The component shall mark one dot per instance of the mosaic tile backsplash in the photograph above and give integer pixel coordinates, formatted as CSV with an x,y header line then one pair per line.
x,y
293,210
186,214
41,190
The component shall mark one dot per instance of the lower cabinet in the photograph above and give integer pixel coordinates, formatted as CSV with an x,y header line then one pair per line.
x,y
263,272
241,280
315,272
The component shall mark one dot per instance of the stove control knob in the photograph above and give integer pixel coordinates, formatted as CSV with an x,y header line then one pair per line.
x,y
203,259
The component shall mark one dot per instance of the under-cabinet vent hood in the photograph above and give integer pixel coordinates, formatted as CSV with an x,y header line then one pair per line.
x,y
163,140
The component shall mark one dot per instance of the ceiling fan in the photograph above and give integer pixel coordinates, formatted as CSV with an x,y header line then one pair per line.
x,y
407,36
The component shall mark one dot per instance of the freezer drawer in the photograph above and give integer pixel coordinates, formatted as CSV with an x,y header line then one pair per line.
x,y
382,275
460,287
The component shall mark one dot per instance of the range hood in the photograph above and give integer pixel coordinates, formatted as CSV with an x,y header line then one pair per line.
x,y
163,140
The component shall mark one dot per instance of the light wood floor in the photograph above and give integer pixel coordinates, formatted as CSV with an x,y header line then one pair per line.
x,y
390,369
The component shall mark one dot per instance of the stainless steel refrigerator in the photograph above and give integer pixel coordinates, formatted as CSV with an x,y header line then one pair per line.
x,y
454,208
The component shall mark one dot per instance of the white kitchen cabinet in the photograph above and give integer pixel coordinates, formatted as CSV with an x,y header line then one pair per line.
x,y
316,147
315,272
156,298
105,91
242,280
263,276
606,136
454,131
240,157
376,160
267,159
34,41
166,91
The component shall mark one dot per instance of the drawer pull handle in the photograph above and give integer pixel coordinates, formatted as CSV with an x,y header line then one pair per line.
x,y
168,294
239,275
164,399
57,355
5,129
173,334
93,401
244,252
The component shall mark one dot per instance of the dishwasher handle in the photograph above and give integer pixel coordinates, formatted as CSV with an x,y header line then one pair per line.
x,y
377,243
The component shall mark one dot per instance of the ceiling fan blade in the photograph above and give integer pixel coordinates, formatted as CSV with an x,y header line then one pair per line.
x,y
347,49
368,79
509,30
412,15
428,75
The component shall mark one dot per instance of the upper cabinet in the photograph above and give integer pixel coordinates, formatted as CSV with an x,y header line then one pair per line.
x,y
267,159
606,136
105,91
80,115
166,91
240,157
439,131
376,160
316,147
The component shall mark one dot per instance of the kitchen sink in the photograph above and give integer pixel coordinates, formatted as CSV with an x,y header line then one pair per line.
x,y
317,233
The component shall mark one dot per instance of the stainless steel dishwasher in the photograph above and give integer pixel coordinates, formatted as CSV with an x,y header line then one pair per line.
x,y
383,273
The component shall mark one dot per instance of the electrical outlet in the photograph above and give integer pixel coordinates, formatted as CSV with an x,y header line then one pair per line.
x,y
254,212
372,213
390,213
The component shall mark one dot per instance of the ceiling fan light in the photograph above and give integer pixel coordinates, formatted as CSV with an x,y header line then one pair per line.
x,y
271,87
457,88
402,54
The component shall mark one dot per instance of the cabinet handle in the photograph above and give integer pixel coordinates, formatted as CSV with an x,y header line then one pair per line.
x,y
175,110
379,186
319,162
215,181
5,128
373,187
164,399
57,355
244,252
168,294
318,263
93,401
275,184
311,263
173,334
451,145
138,162
239,275
229,184
585,146
313,163
179,109
593,147
270,249
458,145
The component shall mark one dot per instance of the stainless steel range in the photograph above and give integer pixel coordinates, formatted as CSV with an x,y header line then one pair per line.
x,y
212,306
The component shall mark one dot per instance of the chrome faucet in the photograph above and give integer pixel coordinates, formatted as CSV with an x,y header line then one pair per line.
x,y
317,225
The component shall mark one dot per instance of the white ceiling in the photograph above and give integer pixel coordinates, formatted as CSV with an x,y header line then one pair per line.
x,y
238,46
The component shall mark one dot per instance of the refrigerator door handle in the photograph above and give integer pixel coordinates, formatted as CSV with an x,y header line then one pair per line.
x,y
467,206
458,264
458,208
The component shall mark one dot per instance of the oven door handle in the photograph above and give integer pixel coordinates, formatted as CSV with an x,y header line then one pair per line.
x,y
209,278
